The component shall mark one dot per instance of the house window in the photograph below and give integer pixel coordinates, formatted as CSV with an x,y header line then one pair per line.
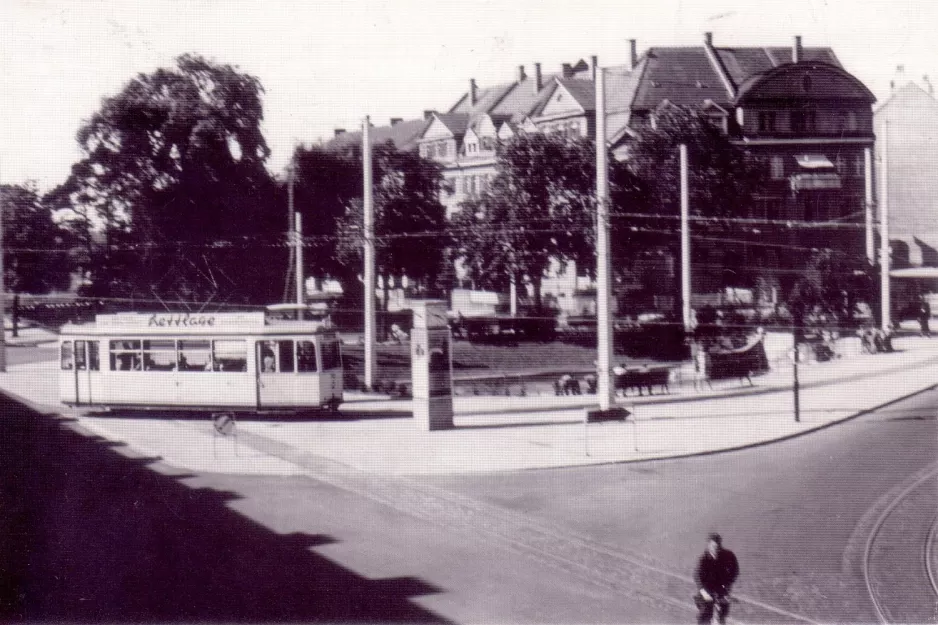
x,y
852,124
472,185
488,143
803,121
859,166
840,164
767,121
777,165
441,148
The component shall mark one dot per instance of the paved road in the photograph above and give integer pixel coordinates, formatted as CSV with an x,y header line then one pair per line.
x,y
92,532
798,513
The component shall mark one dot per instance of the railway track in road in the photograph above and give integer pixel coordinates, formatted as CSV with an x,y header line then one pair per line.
x,y
899,566
627,573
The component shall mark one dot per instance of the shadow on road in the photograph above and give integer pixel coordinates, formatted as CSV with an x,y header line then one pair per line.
x,y
88,534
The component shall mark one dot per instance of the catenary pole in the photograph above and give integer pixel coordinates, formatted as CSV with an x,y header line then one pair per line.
x,y
605,388
300,278
868,204
685,242
884,234
369,255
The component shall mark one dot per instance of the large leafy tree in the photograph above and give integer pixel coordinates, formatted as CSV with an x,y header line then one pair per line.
x,y
174,164
410,221
36,255
831,286
540,209
723,181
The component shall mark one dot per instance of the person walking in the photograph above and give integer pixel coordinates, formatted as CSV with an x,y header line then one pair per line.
x,y
715,575
924,314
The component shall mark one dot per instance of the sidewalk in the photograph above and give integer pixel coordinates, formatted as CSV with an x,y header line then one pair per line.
x,y
378,435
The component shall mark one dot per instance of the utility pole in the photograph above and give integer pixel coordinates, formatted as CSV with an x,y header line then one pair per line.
x,y
368,223
685,242
300,278
604,323
884,233
291,221
868,204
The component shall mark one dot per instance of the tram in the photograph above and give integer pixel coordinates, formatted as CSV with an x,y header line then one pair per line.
x,y
245,362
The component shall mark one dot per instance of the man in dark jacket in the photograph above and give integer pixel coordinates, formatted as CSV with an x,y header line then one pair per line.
x,y
716,572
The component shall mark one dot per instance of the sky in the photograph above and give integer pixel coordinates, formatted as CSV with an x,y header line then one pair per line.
x,y
325,64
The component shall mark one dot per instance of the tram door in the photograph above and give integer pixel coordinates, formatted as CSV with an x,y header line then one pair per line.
x,y
86,362
276,363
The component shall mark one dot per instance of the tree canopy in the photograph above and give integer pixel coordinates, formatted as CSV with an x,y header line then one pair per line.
x,y
540,209
175,161
35,250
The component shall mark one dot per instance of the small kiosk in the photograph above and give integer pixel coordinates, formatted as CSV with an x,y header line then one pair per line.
x,y
431,366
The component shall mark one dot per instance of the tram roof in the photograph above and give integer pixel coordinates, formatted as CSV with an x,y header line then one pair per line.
x,y
175,323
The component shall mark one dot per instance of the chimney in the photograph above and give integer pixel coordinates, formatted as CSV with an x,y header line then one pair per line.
x,y
931,88
428,113
396,120
595,63
796,50
538,84
339,131
566,70
521,74
473,92
633,52
708,39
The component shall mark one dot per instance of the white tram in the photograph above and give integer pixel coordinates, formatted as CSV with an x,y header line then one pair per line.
x,y
196,361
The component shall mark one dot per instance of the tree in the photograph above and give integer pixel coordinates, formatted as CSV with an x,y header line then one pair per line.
x,y
723,179
830,288
35,250
175,162
410,222
541,209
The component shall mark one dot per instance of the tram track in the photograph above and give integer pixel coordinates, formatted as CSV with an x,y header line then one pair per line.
x,y
904,532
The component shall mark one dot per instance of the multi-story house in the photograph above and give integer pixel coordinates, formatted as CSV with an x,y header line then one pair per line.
x,y
805,117
796,108
906,125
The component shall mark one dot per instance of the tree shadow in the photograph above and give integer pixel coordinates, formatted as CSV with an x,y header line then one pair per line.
x,y
90,535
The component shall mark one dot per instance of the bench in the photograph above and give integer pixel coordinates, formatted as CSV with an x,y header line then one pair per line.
x,y
642,379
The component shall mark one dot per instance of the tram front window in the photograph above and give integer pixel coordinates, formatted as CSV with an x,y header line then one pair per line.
x,y
68,357
306,357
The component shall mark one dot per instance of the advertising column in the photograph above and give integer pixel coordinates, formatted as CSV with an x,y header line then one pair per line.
x,y
431,366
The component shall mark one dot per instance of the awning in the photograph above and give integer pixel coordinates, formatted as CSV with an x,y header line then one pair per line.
x,y
915,272
814,161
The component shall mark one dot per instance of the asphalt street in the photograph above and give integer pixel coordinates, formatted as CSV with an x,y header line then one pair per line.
x,y
798,513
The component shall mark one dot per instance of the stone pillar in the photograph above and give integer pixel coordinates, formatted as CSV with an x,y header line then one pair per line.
x,y
431,363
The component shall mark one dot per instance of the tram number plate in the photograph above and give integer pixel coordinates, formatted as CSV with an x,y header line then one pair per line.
x,y
224,423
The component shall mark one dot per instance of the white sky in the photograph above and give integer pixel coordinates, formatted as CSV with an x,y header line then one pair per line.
x,y
327,63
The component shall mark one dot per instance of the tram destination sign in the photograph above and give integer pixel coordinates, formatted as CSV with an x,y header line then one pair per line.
x,y
181,321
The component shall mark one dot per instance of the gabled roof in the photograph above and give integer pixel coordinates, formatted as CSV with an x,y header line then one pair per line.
x,y
909,92
456,122
403,134
687,77
583,91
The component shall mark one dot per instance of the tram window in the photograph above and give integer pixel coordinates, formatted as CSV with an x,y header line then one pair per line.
x,y
195,355
159,355
230,355
125,355
68,356
94,358
81,362
286,356
305,356
331,355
